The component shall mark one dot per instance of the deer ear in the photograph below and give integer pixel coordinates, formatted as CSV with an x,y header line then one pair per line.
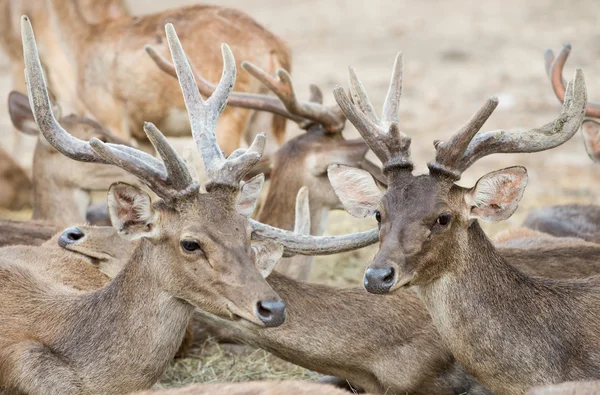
x,y
356,189
496,195
20,113
131,212
266,255
249,195
591,137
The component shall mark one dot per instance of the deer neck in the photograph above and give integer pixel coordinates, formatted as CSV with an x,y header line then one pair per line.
x,y
61,204
132,327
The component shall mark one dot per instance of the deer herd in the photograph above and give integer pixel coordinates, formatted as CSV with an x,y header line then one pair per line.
x,y
103,308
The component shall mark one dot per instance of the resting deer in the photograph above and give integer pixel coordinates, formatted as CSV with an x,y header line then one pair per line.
x,y
193,250
15,186
509,329
62,191
575,220
301,161
252,388
97,68
92,11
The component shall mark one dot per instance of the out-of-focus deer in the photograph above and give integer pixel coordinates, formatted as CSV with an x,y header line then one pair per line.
x,y
91,11
97,67
193,250
528,330
15,186
62,188
571,220
301,161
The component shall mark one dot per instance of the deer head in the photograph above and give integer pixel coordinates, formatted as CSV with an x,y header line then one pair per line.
x,y
591,126
425,219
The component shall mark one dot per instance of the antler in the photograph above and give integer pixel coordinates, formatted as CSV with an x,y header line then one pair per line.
x,y
383,135
170,180
554,68
467,145
204,115
286,104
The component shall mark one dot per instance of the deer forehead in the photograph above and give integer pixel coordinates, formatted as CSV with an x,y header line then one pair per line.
x,y
419,196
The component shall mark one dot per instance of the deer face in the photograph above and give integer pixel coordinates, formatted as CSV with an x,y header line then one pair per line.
x,y
423,219
202,248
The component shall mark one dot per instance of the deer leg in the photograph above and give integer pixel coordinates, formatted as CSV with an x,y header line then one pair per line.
x,y
35,369
231,127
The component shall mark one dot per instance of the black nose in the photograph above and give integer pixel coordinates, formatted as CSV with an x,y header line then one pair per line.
x,y
70,236
271,312
379,280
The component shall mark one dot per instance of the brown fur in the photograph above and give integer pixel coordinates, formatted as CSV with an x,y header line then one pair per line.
x,y
569,220
15,186
25,232
120,86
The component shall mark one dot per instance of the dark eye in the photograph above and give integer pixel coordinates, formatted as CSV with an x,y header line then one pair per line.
x,y
444,219
378,216
190,245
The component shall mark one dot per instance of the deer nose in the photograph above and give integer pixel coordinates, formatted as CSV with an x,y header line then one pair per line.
x,y
271,312
70,236
379,280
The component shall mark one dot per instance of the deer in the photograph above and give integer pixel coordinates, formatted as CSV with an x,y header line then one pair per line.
x,y
321,144
92,12
192,250
15,186
295,387
61,191
570,220
568,388
510,330
91,83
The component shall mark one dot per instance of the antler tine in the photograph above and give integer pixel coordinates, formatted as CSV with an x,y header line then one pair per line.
x,y
302,222
167,183
331,120
383,135
554,68
448,154
253,101
546,137
40,103
205,114
294,244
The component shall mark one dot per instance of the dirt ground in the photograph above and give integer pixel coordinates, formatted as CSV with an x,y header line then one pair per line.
x,y
457,54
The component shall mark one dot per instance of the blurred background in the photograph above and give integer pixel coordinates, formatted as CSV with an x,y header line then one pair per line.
x,y
456,55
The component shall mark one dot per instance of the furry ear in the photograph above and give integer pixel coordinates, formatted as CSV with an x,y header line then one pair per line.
x,y
20,113
249,195
266,255
131,212
302,223
591,137
496,195
356,189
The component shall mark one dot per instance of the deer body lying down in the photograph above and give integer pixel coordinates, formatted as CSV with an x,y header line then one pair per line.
x,y
99,69
509,329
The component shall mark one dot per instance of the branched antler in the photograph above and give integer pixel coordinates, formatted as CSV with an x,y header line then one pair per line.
x,y
170,180
554,68
468,145
383,135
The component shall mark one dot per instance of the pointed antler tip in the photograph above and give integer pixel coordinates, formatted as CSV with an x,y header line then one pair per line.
x,y
567,47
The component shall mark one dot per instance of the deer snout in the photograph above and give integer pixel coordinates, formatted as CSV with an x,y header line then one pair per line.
x,y
379,280
70,236
271,312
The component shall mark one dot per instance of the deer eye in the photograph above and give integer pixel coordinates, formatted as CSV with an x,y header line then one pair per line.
x,y
444,219
378,216
190,245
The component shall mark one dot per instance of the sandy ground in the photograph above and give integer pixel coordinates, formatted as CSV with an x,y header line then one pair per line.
x,y
457,53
